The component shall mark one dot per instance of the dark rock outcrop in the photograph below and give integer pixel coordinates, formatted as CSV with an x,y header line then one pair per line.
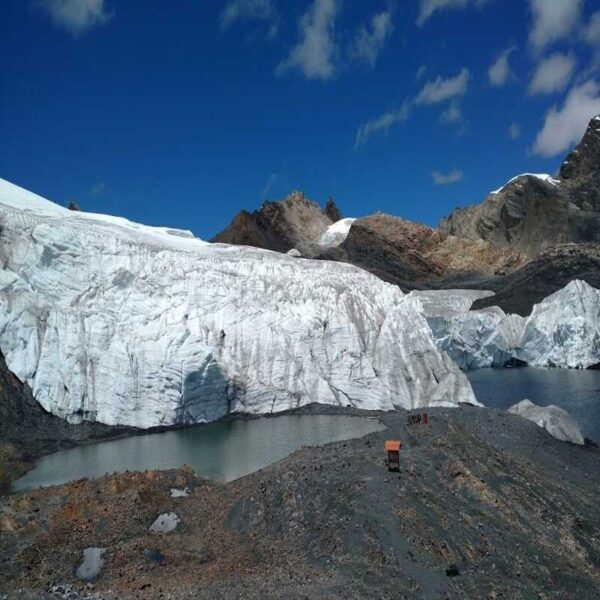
x,y
28,431
332,210
517,292
532,213
295,222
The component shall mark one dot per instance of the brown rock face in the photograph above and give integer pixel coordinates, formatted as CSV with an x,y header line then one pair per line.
x,y
414,255
295,222
528,214
517,292
522,241
531,214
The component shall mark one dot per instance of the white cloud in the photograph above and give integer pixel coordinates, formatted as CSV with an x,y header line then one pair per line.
x,y
499,71
433,92
514,131
440,178
422,71
553,20
440,90
97,189
591,33
553,74
243,10
452,114
368,43
381,124
565,126
428,7
315,54
76,16
269,184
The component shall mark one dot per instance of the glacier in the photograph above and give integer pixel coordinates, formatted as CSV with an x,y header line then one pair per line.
x,y
562,331
125,324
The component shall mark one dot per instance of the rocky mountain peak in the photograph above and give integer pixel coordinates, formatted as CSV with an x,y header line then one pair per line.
x,y
584,160
332,210
294,222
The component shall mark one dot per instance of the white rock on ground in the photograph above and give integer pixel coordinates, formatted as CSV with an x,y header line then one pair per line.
x,y
556,421
165,523
112,321
562,331
93,562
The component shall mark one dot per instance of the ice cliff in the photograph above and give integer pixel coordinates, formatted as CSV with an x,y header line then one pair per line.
x,y
562,331
116,322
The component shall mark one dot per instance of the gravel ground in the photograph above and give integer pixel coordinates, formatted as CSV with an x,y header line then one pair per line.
x,y
486,505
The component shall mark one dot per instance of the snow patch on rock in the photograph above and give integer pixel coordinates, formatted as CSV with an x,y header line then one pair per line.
x,y
336,233
112,321
542,176
556,421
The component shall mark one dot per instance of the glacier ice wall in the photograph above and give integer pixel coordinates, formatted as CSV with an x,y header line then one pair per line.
x,y
562,331
472,338
116,322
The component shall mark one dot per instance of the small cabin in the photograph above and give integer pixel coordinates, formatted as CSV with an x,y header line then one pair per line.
x,y
392,447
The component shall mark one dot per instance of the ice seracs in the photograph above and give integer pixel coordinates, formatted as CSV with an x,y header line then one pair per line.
x,y
556,421
562,331
116,322
472,338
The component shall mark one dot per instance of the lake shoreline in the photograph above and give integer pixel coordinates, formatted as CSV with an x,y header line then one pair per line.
x,y
480,492
17,459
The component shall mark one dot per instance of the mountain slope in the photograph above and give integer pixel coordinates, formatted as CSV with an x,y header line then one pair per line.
x,y
294,222
552,270
534,212
518,242
115,322
414,255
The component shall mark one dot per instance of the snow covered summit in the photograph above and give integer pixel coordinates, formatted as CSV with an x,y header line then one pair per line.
x,y
112,321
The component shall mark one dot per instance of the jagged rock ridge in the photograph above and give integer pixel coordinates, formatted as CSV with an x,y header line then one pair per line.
x,y
294,222
525,241
533,212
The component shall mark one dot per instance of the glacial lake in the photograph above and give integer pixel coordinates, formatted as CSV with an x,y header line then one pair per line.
x,y
219,451
577,391
228,450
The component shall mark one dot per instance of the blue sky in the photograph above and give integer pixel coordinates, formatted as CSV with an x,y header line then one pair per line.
x,y
183,112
